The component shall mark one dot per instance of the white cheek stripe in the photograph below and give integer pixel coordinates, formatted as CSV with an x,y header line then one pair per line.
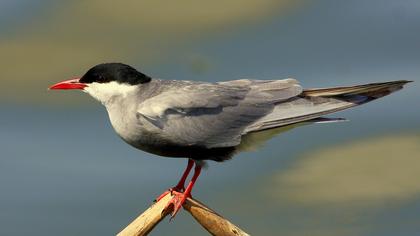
x,y
104,92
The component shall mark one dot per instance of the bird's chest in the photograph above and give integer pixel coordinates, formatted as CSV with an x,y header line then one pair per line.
x,y
127,125
123,120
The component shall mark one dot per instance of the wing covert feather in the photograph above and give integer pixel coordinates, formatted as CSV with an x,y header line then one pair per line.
x,y
213,114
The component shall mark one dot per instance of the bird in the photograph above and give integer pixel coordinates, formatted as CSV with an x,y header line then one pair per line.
x,y
203,121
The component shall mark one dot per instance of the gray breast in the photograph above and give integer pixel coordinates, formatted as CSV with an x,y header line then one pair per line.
x,y
131,129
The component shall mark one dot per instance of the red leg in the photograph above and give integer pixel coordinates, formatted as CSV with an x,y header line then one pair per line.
x,y
180,186
180,198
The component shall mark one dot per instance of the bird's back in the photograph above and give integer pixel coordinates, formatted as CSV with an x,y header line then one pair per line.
x,y
208,120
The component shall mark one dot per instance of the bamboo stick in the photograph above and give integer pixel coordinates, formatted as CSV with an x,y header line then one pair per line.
x,y
214,223
209,219
145,223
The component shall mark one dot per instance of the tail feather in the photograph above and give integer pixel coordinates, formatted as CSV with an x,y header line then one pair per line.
x,y
372,90
314,103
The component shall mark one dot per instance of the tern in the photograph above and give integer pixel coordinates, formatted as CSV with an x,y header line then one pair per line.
x,y
210,121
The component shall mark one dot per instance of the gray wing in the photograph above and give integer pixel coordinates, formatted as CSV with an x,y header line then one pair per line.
x,y
213,114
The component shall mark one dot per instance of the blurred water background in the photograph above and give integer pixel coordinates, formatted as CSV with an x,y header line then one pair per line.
x,y
64,171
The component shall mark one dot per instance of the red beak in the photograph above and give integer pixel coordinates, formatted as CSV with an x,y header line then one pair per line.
x,y
69,84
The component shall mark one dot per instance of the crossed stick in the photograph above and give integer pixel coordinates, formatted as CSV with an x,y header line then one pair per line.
x,y
206,217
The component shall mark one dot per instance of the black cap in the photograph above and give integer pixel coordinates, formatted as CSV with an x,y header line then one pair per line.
x,y
108,72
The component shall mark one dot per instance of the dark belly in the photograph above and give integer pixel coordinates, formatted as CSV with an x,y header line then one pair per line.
x,y
193,152
156,144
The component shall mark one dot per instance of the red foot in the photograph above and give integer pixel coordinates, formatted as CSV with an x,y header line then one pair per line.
x,y
162,195
180,186
176,202
174,189
179,192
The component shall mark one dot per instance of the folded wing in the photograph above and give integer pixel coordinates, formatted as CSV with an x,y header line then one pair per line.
x,y
214,115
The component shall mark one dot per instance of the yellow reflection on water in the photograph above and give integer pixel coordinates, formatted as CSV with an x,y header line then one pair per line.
x,y
373,171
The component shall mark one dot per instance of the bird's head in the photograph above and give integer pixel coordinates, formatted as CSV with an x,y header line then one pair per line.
x,y
106,81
